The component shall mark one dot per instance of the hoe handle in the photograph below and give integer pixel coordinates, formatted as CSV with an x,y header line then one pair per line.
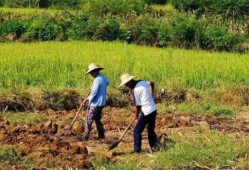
x,y
75,117
128,127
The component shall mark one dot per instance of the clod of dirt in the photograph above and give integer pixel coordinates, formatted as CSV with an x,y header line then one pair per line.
x,y
47,125
60,129
74,149
177,122
9,127
203,124
78,128
24,148
96,151
79,161
82,147
30,137
2,136
36,154
16,129
186,119
70,115
54,128
50,112
56,141
38,126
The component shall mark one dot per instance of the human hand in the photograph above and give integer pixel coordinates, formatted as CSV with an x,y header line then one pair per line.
x,y
136,116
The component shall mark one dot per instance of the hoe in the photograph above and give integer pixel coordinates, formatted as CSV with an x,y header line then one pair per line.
x,y
74,119
115,144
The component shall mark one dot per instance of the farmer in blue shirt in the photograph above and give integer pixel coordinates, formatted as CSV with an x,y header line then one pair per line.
x,y
96,101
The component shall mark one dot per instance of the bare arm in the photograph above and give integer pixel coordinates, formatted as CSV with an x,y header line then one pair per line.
x,y
138,109
85,99
152,85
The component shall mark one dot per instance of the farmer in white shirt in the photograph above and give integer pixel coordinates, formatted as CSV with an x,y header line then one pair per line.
x,y
96,101
144,103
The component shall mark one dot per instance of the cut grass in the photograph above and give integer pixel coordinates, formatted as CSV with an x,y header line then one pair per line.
x,y
24,118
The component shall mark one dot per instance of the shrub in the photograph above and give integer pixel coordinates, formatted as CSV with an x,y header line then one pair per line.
x,y
184,31
14,27
164,34
103,7
44,28
90,30
218,38
21,3
157,1
1,2
226,8
231,8
108,30
144,31
65,4
78,27
191,5
44,3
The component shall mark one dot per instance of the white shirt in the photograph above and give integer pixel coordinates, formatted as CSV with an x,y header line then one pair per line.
x,y
143,97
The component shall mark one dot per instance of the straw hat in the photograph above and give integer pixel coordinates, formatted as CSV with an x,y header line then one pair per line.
x,y
125,78
92,67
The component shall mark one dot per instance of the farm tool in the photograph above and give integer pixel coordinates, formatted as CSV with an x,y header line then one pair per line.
x,y
74,119
115,144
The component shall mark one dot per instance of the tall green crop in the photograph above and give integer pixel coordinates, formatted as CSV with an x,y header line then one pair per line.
x,y
63,64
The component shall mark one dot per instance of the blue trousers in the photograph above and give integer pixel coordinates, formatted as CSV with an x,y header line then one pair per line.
x,y
143,120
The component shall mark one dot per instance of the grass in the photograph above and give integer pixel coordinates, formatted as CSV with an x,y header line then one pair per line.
x,y
197,107
63,64
211,149
24,118
13,156
28,11
195,147
167,9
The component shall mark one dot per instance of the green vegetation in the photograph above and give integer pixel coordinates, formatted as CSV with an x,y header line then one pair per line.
x,y
195,148
37,76
207,25
216,150
197,107
12,155
52,65
229,9
30,11
24,118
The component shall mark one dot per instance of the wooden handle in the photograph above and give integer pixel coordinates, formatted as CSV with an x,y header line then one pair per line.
x,y
75,117
128,127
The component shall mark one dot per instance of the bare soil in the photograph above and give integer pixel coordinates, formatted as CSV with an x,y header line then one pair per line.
x,y
48,144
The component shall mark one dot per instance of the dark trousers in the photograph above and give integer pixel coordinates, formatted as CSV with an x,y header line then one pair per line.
x,y
94,113
143,120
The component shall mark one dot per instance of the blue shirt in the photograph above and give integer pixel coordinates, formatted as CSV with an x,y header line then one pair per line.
x,y
97,96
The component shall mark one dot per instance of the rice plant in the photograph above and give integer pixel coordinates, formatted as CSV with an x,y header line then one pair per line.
x,y
63,64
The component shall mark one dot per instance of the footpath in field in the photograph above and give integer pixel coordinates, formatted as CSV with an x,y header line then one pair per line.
x,y
47,144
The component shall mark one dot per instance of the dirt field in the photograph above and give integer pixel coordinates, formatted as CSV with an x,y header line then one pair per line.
x,y
48,145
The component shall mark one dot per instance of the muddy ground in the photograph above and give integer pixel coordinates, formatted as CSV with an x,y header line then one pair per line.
x,y
48,144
